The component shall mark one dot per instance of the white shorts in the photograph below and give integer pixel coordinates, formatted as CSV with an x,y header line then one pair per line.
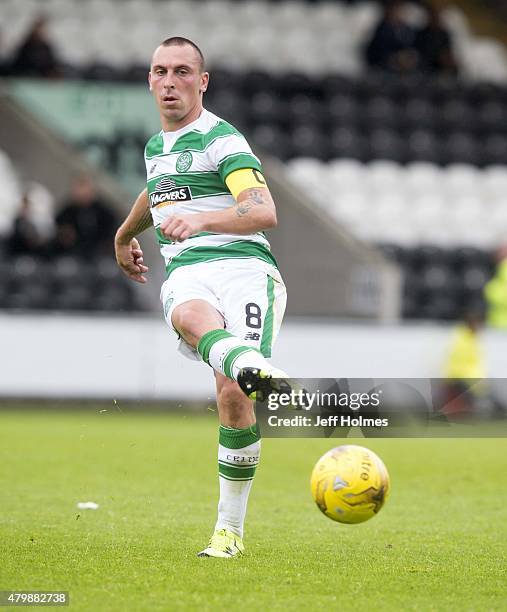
x,y
249,294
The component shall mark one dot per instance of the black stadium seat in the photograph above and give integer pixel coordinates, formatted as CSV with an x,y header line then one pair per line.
x,y
347,142
342,110
266,107
441,283
382,113
494,149
456,115
424,145
269,138
419,113
388,144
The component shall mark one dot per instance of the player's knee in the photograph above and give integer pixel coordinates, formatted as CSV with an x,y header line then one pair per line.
x,y
195,318
183,319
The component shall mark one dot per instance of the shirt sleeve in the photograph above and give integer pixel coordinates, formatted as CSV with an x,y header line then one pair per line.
x,y
233,153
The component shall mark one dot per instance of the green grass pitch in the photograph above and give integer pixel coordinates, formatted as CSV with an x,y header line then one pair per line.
x,y
439,543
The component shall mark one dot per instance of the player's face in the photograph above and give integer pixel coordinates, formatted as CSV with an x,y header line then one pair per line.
x,y
177,84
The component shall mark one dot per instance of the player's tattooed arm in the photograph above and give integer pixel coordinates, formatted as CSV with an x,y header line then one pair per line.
x,y
138,220
252,212
144,222
253,197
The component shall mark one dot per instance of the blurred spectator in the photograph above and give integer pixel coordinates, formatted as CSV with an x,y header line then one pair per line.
x,y
464,370
495,293
26,239
466,390
466,360
392,45
85,224
434,45
35,55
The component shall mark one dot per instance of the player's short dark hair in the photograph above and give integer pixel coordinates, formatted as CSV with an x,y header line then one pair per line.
x,y
179,41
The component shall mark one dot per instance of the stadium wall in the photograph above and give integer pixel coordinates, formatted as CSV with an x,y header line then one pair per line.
x,y
136,358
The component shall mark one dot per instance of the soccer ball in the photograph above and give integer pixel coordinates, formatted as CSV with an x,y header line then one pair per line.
x,y
350,484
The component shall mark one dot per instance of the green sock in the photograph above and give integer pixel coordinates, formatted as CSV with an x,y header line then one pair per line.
x,y
238,457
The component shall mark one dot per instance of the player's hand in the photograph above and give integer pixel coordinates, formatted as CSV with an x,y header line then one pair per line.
x,y
130,259
181,227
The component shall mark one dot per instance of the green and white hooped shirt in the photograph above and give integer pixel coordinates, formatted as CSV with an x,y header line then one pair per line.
x,y
186,172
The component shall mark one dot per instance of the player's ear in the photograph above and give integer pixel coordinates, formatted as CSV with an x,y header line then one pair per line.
x,y
149,81
204,82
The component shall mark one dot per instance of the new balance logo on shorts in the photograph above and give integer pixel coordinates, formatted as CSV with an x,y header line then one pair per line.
x,y
252,336
166,192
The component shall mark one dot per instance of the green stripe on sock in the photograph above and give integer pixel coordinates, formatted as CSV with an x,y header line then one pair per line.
x,y
231,357
240,467
235,479
208,340
238,438
236,472
267,333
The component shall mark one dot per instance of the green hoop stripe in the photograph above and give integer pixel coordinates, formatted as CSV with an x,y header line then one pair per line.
x,y
163,240
208,340
236,479
192,141
197,141
234,472
154,146
239,249
237,161
267,333
229,437
235,465
231,357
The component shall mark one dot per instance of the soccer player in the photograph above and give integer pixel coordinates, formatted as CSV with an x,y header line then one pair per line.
x,y
209,203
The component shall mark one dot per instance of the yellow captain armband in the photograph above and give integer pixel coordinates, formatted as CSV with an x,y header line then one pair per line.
x,y
245,178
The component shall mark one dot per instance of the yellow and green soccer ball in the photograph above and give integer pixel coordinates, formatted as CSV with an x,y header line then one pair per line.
x,y
350,484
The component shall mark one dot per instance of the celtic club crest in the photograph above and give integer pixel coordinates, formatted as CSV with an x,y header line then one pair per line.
x,y
184,161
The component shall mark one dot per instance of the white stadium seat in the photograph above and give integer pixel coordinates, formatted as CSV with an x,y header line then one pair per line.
x,y
422,177
495,182
383,175
345,174
461,179
485,59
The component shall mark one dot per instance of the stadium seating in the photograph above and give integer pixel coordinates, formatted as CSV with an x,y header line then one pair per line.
x,y
65,283
411,162
318,37
411,205
417,166
46,282
376,117
440,225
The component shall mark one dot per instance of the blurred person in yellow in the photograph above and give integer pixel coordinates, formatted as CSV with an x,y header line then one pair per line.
x,y
465,368
466,357
495,293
